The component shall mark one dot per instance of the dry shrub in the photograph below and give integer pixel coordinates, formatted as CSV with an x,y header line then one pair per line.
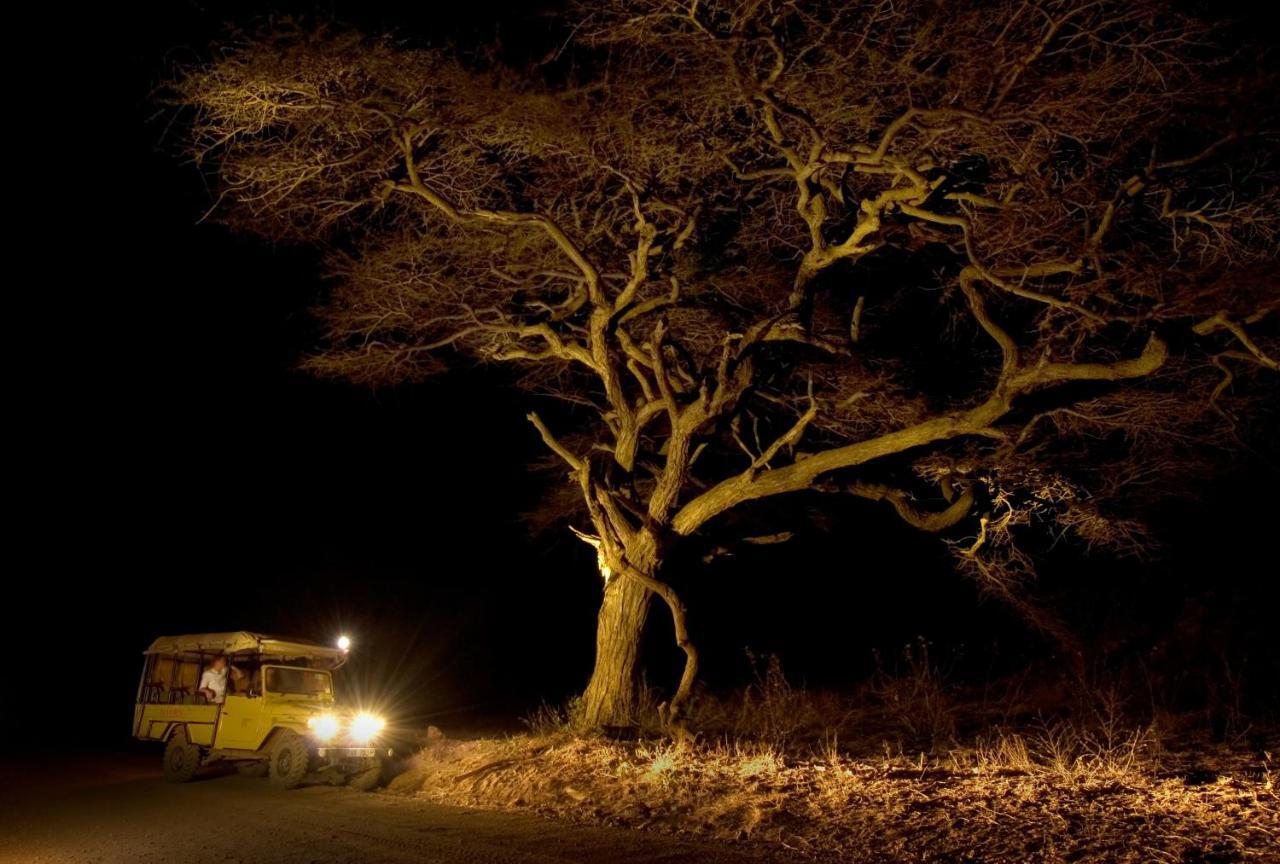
x,y
1098,740
770,711
916,695
548,719
1066,751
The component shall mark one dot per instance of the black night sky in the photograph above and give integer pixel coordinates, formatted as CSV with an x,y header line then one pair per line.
x,y
175,473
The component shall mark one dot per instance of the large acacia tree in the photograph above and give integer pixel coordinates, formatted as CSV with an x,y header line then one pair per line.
x,y
998,265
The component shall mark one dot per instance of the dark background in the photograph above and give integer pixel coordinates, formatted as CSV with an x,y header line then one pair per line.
x,y
172,472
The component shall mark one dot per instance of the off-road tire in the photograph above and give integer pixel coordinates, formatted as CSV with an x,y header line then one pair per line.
x,y
367,780
254,769
289,760
181,758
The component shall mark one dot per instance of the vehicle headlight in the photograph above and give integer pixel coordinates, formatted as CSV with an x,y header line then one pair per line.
x,y
365,727
324,726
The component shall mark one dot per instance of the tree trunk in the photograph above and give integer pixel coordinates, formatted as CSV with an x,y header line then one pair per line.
x,y
610,697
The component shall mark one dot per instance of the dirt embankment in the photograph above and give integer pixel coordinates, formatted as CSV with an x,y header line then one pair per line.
x,y
975,807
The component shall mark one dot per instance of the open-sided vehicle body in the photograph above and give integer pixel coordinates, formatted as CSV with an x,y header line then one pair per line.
x,y
279,715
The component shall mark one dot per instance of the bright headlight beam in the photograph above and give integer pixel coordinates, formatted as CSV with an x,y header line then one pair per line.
x,y
324,727
365,726
344,643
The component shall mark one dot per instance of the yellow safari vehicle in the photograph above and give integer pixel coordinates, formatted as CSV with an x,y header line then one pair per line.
x,y
278,716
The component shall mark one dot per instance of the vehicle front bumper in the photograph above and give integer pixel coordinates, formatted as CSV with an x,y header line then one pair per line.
x,y
352,752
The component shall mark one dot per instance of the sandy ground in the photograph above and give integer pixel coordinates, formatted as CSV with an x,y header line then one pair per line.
x,y
118,809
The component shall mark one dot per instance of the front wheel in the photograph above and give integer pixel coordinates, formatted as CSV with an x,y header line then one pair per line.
x,y
366,780
289,760
181,758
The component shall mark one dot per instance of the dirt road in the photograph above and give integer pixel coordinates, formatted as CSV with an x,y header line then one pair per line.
x,y
120,810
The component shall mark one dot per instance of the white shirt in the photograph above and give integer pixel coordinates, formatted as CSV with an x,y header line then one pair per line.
x,y
215,680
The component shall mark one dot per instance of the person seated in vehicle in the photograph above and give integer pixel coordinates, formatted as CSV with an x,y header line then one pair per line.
x,y
245,682
213,683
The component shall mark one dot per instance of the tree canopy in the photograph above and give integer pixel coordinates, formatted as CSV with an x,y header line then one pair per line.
x,y
1004,266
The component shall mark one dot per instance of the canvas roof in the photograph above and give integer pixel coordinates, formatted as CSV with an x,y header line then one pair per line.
x,y
243,641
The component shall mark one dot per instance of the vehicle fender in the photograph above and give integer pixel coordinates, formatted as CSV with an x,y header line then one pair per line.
x,y
200,735
279,730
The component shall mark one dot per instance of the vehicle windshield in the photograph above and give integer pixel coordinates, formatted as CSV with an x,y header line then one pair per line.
x,y
309,682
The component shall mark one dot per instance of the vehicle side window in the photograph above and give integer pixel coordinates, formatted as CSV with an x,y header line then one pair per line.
x,y
246,680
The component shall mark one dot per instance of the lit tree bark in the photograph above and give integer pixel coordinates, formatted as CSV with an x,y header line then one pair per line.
x,y
610,696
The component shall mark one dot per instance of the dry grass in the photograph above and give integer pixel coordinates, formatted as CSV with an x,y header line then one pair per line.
x,y
1056,795
1060,773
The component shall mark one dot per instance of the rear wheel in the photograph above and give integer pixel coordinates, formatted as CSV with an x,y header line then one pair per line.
x,y
181,758
254,769
366,780
289,760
